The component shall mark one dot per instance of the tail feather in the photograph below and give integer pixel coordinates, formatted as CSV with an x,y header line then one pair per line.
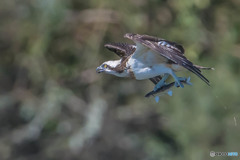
x,y
204,68
196,71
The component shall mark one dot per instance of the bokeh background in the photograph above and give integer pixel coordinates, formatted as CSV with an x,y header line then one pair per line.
x,y
54,106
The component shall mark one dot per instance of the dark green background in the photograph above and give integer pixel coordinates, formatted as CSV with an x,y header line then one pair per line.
x,y
54,106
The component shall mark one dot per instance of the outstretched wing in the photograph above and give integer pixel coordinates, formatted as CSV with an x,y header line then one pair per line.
x,y
124,50
170,50
121,49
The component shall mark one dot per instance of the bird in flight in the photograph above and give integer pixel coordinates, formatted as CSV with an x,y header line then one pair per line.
x,y
150,58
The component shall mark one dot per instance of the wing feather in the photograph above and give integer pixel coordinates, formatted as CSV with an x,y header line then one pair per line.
x,y
121,49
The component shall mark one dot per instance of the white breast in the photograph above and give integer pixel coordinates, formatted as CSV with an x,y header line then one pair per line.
x,y
147,65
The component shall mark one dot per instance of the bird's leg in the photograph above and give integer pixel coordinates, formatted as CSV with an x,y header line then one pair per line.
x,y
185,80
180,80
161,82
177,80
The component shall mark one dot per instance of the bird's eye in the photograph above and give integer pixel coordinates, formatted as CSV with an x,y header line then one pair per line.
x,y
105,66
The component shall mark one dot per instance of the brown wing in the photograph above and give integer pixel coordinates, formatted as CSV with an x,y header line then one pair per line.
x,y
124,50
164,43
121,49
170,50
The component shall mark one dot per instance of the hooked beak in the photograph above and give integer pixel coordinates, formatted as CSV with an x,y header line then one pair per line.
x,y
99,69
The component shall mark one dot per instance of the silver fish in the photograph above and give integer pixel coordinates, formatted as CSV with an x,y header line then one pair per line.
x,y
166,89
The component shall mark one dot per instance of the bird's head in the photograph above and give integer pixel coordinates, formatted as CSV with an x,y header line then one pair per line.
x,y
111,67
104,68
107,67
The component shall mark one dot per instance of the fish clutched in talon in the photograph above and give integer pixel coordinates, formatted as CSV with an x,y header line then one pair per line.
x,y
166,88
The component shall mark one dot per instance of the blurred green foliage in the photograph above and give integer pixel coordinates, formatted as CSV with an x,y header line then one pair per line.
x,y
54,106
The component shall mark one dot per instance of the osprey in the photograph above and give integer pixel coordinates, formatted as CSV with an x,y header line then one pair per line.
x,y
150,58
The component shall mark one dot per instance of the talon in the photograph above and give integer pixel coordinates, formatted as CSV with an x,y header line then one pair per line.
x,y
179,84
188,81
